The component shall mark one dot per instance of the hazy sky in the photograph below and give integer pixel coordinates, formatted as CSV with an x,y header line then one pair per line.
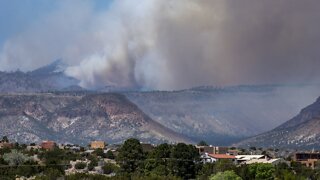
x,y
165,44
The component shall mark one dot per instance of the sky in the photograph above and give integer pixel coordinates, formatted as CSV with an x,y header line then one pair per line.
x,y
165,45
18,15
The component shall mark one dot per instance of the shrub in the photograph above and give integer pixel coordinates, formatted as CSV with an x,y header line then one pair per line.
x,y
225,175
109,168
80,165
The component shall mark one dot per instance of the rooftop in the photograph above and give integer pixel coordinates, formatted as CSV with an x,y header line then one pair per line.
x,y
222,156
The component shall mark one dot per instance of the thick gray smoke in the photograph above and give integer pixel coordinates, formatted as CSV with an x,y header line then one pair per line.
x,y
174,44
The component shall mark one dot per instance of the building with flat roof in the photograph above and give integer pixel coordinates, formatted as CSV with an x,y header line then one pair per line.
x,y
308,159
48,145
97,145
6,145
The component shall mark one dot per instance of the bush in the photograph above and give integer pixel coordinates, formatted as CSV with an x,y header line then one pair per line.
x,y
99,152
261,171
226,175
109,155
109,168
92,164
80,165
83,176
52,173
15,158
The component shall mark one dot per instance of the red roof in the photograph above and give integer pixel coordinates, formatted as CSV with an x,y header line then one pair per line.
x,y
222,156
48,144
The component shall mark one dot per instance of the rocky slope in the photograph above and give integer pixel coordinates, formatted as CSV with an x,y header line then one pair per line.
x,y
78,118
301,132
225,115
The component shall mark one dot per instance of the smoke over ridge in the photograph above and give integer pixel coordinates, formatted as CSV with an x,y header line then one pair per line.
x,y
175,44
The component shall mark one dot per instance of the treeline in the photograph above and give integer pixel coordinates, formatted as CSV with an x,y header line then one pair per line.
x,y
165,161
183,161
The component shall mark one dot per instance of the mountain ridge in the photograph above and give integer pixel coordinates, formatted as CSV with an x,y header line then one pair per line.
x,y
302,131
78,119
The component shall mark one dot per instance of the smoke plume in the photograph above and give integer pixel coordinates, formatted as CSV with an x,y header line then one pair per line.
x,y
175,44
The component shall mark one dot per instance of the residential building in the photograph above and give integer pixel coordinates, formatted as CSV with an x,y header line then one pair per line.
x,y
242,159
233,152
266,161
48,145
217,157
97,145
6,145
308,159
212,149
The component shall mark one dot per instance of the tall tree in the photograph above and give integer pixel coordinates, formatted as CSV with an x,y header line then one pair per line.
x,y
130,156
184,159
157,162
5,139
202,143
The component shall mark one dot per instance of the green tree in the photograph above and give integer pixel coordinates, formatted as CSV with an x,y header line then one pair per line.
x,y
207,170
93,162
2,161
52,174
224,165
109,155
183,161
130,156
83,176
157,162
55,159
202,143
99,152
29,168
80,165
4,150
15,158
301,170
109,168
5,139
261,171
226,175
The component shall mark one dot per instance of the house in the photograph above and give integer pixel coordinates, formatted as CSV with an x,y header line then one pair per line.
x,y
6,145
308,159
97,145
89,151
266,161
212,149
217,157
211,158
72,147
233,152
48,145
242,159
33,147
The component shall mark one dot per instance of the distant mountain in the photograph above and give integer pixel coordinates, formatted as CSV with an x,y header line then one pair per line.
x,y
58,66
47,78
225,115
78,118
218,115
117,89
301,132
